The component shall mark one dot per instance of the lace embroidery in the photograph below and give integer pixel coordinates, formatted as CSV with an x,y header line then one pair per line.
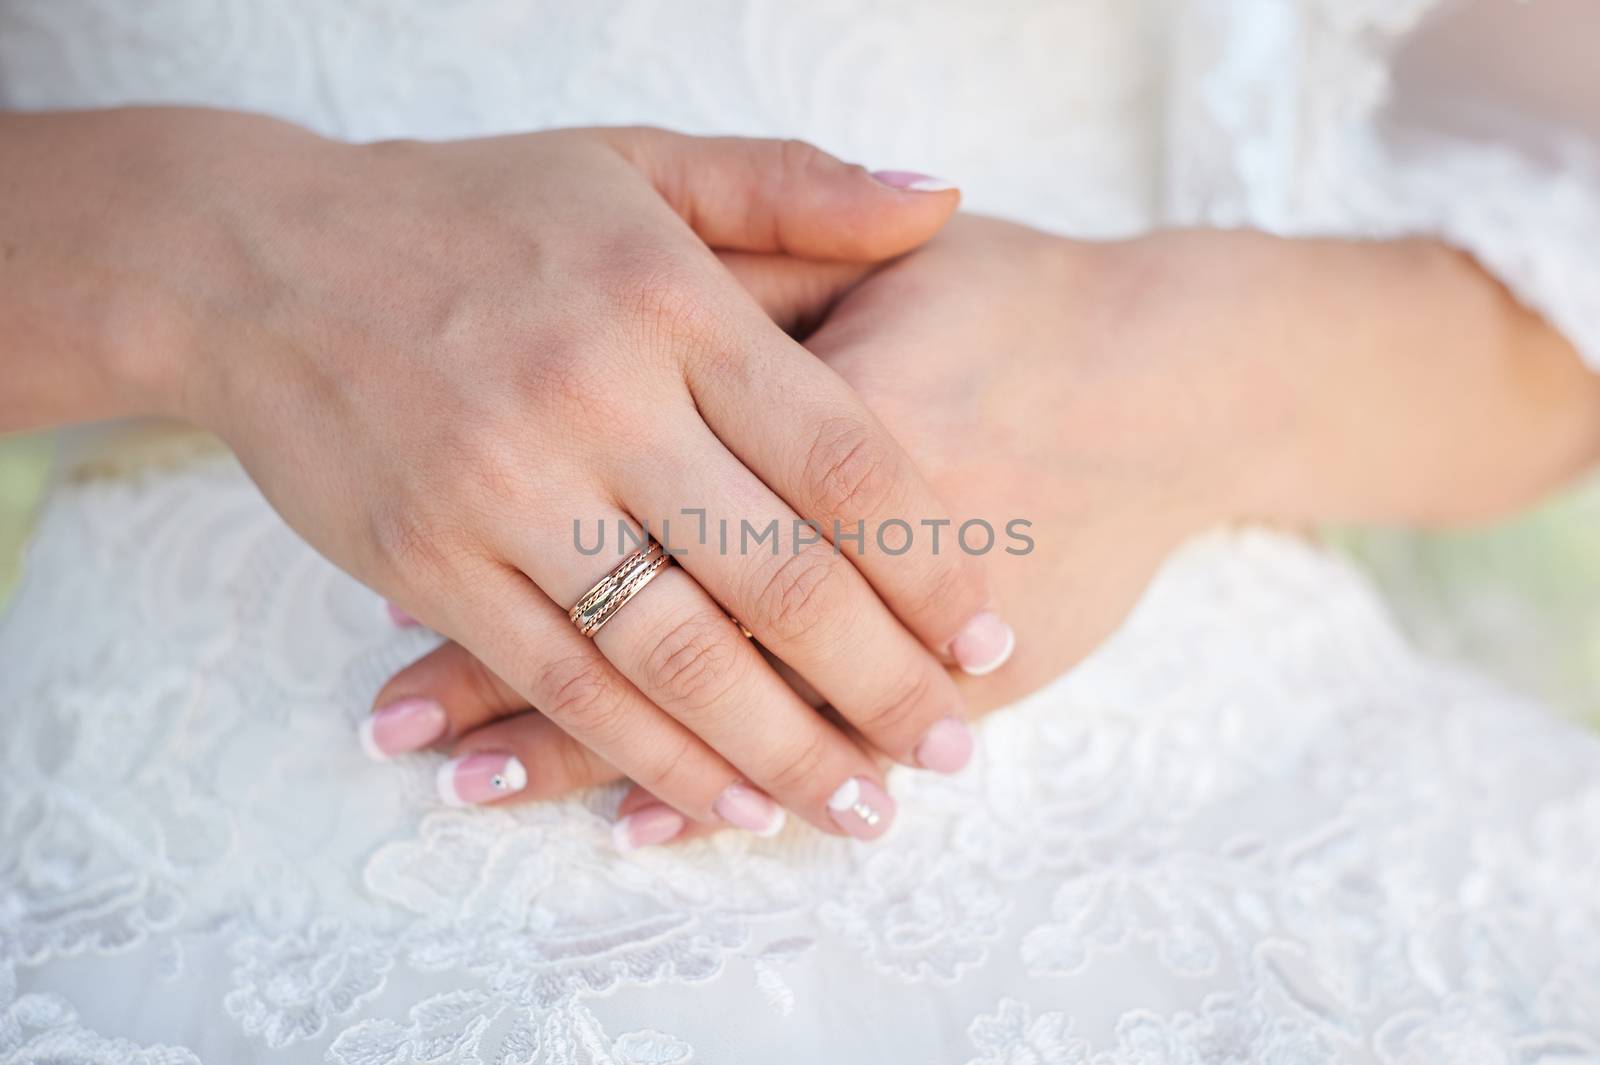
x,y
1256,806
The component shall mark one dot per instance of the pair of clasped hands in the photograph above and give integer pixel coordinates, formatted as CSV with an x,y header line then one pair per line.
x,y
602,322
436,360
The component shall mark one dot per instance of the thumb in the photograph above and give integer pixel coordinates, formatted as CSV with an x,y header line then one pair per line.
x,y
745,194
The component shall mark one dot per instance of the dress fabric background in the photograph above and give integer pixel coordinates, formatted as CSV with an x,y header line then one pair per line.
x,y
1255,827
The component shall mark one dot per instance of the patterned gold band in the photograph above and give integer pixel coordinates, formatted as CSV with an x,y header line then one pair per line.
x,y
612,592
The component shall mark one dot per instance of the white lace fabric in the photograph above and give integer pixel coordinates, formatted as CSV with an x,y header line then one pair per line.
x,y
1255,827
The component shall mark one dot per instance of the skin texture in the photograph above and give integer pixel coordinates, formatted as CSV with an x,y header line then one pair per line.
x,y
1125,396
434,358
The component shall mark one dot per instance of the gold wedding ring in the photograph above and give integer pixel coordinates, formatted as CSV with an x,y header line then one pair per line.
x,y
612,592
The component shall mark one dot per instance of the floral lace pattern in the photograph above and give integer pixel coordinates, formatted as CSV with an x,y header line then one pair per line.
x,y
1255,826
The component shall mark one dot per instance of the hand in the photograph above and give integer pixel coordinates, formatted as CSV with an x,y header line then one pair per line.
x,y
435,358
1125,396
1121,397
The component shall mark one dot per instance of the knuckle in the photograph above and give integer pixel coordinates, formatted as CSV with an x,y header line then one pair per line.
x,y
665,296
695,663
801,159
580,693
849,470
799,772
795,597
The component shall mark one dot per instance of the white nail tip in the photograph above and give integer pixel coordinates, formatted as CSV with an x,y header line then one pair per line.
x,y
368,744
848,795
515,775
445,782
999,660
931,184
620,838
774,826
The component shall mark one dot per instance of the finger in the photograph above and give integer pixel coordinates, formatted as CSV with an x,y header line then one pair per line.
x,y
542,656
556,763
804,602
797,294
644,820
787,196
684,654
447,692
835,464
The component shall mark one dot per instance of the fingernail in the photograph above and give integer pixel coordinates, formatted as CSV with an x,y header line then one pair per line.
x,y
402,726
482,776
749,809
984,645
912,181
399,617
861,808
647,826
946,747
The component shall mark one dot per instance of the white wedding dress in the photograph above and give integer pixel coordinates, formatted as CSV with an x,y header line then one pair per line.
x,y
1255,827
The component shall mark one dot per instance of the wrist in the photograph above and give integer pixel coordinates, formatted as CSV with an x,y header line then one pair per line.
x,y
64,320
139,229
1380,381
1429,395
216,190
1201,314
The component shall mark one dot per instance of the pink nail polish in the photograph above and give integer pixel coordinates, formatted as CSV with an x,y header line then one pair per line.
x,y
946,747
480,777
400,617
402,726
745,807
647,826
861,808
983,645
911,181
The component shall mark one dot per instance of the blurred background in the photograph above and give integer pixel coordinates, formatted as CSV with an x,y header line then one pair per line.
x,y
1516,598
24,472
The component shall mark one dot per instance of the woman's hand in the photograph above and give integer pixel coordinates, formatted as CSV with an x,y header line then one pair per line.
x,y
438,360
1121,397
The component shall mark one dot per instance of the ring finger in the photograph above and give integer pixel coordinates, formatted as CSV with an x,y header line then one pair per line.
x,y
683,653
808,605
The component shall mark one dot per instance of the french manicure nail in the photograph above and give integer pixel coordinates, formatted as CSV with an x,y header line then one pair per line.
x,y
861,808
983,645
747,808
402,726
480,777
946,747
647,826
400,617
911,181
